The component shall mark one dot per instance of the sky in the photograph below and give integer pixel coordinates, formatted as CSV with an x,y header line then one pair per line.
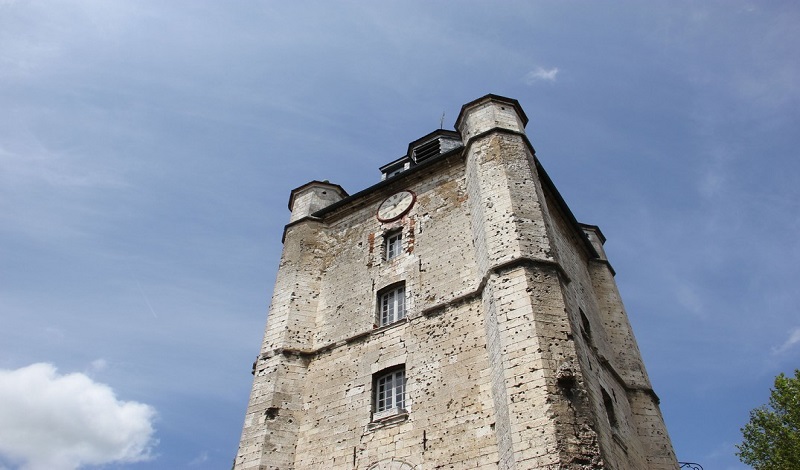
x,y
148,148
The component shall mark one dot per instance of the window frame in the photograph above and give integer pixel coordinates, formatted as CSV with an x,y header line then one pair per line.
x,y
391,304
389,400
611,412
586,327
393,244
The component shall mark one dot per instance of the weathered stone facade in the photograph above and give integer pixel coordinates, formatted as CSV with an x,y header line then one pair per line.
x,y
516,348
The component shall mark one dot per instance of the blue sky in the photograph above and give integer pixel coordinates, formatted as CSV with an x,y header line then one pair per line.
x,y
147,151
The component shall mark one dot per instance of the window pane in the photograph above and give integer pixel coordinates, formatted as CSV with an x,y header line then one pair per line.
x,y
399,388
389,307
394,245
381,394
385,309
390,391
392,306
400,311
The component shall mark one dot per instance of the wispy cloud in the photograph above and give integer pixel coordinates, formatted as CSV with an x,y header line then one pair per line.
x,y
690,299
99,364
41,167
200,459
541,74
715,171
62,422
791,341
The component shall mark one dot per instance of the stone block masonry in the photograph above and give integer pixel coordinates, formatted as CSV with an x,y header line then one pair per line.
x,y
511,348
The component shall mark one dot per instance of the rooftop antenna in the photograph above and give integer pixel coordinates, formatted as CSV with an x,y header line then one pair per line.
x,y
441,121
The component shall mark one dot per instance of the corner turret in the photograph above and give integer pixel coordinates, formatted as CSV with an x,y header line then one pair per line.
x,y
312,197
490,112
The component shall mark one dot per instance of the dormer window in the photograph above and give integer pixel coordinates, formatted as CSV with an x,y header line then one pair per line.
x,y
428,149
432,145
395,168
395,172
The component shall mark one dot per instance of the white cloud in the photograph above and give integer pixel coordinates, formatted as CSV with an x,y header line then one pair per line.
x,y
794,338
541,75
61,422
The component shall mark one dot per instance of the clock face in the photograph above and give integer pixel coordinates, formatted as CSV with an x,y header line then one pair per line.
x,y
396,205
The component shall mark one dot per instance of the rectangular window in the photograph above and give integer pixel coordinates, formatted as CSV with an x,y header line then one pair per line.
x,y
392,305
609,405
394,244
586,327
390,391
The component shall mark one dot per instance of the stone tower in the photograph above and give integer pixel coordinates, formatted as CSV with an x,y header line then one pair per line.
x,y
454,315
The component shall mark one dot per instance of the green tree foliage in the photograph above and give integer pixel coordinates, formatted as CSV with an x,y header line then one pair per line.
x,y
772,437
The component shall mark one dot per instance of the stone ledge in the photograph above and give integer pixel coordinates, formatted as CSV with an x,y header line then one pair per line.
x,y
426,312
387,421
